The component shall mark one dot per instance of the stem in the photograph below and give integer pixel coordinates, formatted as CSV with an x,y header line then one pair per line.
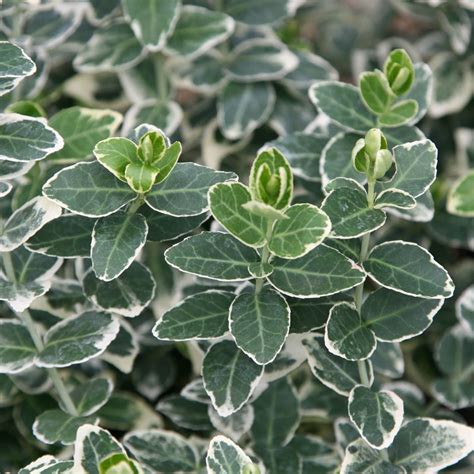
x,y
265,254
160,76
364,376
136,204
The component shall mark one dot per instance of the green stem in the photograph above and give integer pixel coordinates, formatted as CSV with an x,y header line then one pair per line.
x,y
160,76
265,254
363,374
136,204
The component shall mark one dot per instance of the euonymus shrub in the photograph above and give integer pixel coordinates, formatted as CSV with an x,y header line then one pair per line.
x,y
281,277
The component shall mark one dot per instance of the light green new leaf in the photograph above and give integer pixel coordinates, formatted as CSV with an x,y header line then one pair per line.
x,y
26,139
461,197
27,221
140,177
346,334
395,198
15,65
304,229
342,104
465,308
88,189
127,295
242,108
77,339
116,241
152,23
111,48
81,128
410,269
259,323
350,213
17,350
198,30
377,415
162,451
261,59
375,91
226,201
90,396
261,13
115,154
212,255
229,376
224,455
201,316
184,192
321,272
422,91
400,114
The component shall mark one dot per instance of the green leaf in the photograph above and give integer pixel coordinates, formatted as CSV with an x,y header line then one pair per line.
x,y
395,198
425,444
259,323
111,48
77,339
465,308
116,241
400,114
88,189
399,71
321,272
235,425
242,108
407,268
115,154
161,450
27,221
346,334
188,414
224,455
375,91
461,196
184,193
377,415
141,177
47,464
55,426
26,139
200,316
17,350
342,104
304,229
123,350
5,188
127,295
387,359
81,128
152,23
277,414
260,269
198,30
350,213
260,59
212,255
262,13
15,65
226,201
67,236
280,460
90,396
229,376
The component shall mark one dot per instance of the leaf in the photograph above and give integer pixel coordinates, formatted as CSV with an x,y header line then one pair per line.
x,y
184,193
321,272
55,426
185,413
26,139
342,104
5,188
150,24
350,213
407,268
198,30
200,316
161,450
393,316
260,60
235,425
425,444
395,198
67,236
304,229
123,350
242,108
400,114
17,350
465,309
346,334
27,221
229,376
387,359
111,48
88,189
375,91
276,415
415,167
116,241
14,66
226,201
461,197
225,456
45,464
264,13
115,154
91,396
280,460
377,415
212,255
315,453
259,323
77,339
81,128
422,212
